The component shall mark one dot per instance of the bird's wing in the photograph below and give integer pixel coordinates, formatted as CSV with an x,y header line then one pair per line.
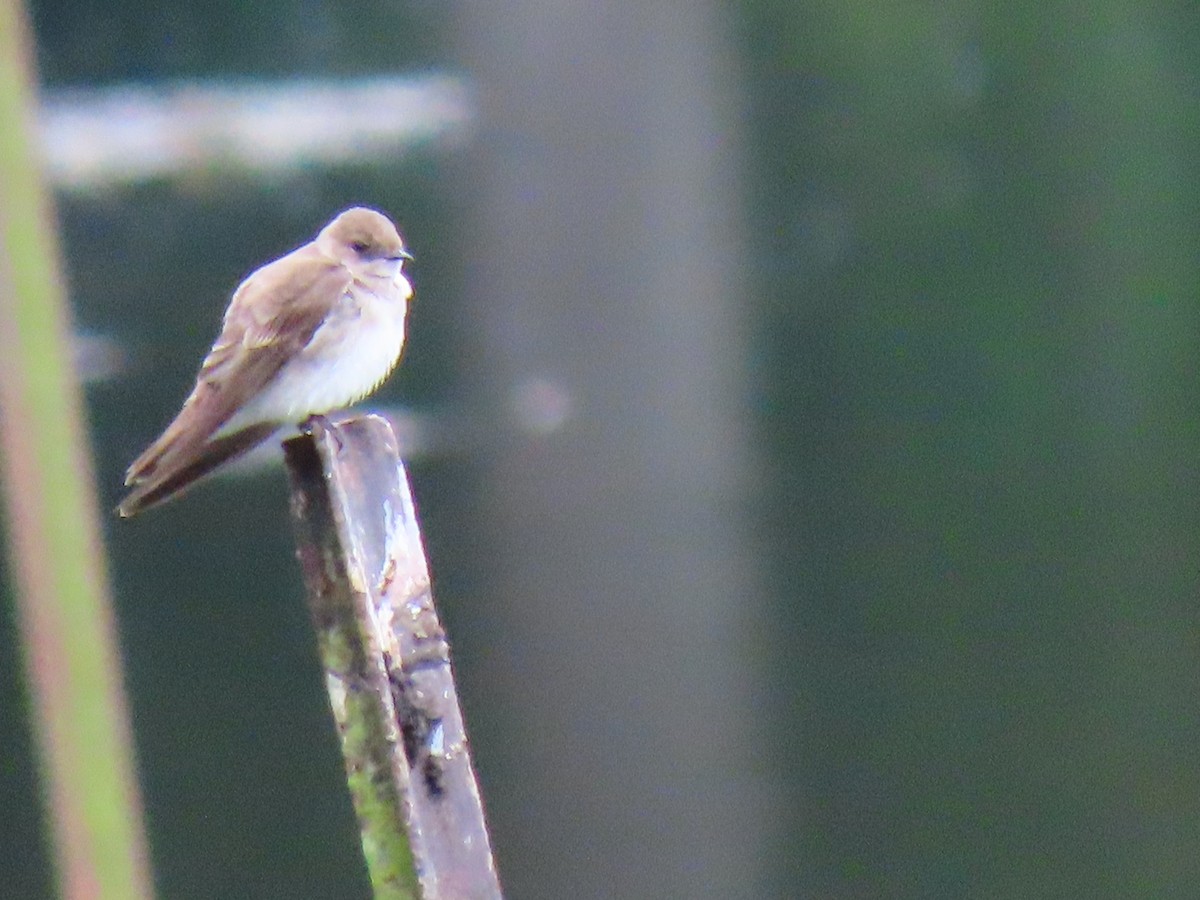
x,y
170,481
272,317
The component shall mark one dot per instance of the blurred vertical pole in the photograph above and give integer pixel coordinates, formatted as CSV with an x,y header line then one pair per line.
x,y
61,585
606,257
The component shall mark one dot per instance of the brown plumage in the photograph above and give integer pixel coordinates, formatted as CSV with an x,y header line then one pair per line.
x,y
287,324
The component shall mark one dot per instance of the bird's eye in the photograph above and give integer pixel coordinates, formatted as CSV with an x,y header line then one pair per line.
x,y
360,246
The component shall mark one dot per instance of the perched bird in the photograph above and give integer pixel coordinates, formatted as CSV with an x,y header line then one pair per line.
x,y
311,332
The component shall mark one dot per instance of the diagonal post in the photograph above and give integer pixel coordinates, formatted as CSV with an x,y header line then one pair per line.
x,y
387,665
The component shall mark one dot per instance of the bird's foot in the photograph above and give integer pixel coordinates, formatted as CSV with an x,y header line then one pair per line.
x,y
316,422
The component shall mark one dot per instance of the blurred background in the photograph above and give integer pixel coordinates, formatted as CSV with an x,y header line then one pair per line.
x,y
801,404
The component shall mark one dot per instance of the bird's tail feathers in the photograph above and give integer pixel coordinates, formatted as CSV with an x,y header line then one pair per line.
x,y
158,474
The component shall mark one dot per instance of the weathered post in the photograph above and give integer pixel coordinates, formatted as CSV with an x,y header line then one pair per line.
x,y
387,665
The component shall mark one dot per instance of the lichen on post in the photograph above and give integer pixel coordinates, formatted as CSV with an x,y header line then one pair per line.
x,y
387,665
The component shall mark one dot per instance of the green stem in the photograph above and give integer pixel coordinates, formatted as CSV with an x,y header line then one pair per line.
x,y
59,574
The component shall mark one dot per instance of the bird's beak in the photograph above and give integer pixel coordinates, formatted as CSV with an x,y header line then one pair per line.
x,y
404,255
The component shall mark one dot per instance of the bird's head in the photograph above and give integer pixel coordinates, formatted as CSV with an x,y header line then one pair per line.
x,y
366,241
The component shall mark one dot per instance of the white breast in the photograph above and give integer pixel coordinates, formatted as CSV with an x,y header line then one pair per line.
x,y
350,354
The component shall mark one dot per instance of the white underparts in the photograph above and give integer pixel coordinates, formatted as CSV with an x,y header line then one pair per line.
x,y
349,355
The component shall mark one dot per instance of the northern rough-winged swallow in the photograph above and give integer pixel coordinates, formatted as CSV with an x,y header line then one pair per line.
x,y
309,333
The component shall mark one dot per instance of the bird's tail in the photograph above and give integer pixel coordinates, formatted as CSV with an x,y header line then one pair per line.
x,y
156,479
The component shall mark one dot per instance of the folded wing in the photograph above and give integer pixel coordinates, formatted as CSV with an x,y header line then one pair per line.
x,y
271,318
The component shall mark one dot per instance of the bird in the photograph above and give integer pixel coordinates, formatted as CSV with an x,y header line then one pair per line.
x,y
306,334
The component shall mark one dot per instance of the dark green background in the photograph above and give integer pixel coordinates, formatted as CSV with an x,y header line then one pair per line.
x,y
971,252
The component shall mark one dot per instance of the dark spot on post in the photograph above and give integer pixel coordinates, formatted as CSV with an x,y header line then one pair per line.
x,y
416,730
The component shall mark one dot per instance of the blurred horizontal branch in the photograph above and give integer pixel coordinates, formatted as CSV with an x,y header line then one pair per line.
x,y
97,137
